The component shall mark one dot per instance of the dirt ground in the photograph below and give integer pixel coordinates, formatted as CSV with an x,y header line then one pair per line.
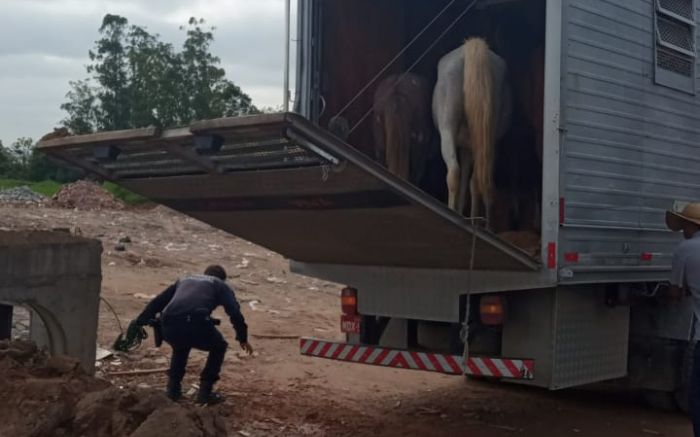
x,y
280,392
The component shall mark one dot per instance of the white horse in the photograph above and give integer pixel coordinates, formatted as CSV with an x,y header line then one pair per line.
x,y
472,110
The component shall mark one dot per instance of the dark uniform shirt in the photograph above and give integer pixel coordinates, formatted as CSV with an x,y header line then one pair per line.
x,y
197,296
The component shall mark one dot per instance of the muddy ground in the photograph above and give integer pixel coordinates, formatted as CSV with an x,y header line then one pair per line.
x,y
280,392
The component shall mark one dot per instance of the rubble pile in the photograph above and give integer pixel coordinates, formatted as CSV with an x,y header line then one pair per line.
x,y
22,194
86,195
43,396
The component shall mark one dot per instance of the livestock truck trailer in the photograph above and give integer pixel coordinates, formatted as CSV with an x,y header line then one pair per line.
x,y
428,288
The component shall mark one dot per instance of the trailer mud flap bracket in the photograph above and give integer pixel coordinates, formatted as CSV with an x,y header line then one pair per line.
x,y
501,368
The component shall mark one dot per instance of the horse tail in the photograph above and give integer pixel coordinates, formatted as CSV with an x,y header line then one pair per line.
x,y
397,132
479,110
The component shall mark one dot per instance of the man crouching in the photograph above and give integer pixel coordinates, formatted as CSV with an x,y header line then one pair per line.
x,y
185,309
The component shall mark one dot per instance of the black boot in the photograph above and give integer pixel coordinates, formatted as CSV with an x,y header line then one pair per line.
x,y
207,395
174,390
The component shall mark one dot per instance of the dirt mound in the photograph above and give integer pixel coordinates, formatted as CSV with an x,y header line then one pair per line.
x,y
86,195
42,397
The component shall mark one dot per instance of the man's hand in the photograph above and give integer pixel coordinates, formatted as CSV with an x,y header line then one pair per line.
x,y
247,348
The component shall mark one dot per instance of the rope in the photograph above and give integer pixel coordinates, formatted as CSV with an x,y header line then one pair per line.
x,y
465,325
395,58
420,58
119,322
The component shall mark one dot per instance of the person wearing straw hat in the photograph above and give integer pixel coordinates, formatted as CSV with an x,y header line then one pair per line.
x,y
685,280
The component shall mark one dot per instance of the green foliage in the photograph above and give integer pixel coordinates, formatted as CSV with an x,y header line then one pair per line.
x,y
22,161
47,188
136,80
123,194
81,108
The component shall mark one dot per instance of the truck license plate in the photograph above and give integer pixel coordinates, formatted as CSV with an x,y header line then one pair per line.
x,y
350,324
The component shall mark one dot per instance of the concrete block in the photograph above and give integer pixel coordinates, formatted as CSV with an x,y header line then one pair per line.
x,y
58,276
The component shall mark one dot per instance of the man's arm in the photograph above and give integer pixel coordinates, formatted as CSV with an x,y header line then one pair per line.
x,y
230,304
156,305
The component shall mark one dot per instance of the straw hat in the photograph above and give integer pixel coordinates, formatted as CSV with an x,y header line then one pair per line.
x,y
691,213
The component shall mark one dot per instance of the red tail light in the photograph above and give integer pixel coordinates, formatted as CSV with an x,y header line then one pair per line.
x,y
492,310
348,301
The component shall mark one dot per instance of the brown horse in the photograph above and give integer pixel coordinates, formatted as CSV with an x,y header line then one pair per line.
x,y
403,125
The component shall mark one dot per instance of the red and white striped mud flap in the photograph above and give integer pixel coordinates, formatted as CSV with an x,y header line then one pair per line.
x,y
441,363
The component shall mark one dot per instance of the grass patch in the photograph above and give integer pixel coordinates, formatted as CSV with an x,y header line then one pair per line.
x,y
123,194
11,183
45,188
49,188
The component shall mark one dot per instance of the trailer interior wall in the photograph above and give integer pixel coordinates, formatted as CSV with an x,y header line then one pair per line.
x,y
359,38
630,144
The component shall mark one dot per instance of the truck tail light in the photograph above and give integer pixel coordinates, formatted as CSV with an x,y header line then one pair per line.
x,y
492,310
348,301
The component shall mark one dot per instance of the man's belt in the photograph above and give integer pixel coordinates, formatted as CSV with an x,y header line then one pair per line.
x,y
191,318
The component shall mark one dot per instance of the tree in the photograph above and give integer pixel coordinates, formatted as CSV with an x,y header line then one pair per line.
x,y
210,94
6,162
81,108
136,80
21,151
111,73
155,88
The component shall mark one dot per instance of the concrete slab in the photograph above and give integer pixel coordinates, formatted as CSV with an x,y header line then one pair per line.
x,y
58,276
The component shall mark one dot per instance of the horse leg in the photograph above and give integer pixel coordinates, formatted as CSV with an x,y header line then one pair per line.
x,y
475,198
449,155
466,172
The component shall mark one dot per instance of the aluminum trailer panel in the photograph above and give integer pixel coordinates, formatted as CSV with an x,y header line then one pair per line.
x,y
630,143
281,182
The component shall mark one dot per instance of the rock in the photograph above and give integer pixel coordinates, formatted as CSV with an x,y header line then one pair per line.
x,y
144,296
62,365
120,247
274,280
125,239
22,194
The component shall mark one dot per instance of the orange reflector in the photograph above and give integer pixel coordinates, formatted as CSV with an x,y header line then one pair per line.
x,y
492,310
348,301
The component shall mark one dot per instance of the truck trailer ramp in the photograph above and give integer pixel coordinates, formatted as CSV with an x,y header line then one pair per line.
x,y
284,183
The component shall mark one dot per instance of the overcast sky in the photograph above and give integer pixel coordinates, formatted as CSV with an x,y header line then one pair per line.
x,y
44,44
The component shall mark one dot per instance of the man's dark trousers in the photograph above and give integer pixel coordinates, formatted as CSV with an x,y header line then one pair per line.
x,y
184,335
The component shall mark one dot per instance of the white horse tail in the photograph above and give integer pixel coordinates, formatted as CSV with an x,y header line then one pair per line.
x,y
397,133
479,110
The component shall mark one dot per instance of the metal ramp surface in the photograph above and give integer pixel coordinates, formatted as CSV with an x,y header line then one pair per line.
x,y
280,181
